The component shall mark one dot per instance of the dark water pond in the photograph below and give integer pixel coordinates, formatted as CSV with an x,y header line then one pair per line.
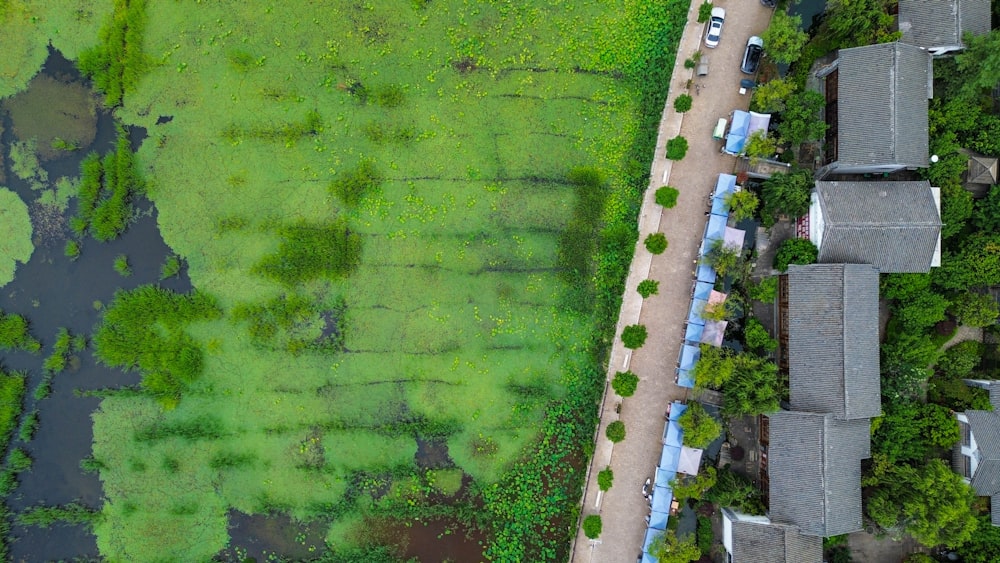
x,y
811,12
52,291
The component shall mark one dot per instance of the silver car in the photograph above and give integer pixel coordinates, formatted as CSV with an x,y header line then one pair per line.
x,y
715,27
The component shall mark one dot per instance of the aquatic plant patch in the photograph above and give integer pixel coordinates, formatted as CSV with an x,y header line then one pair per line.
x,y
15,234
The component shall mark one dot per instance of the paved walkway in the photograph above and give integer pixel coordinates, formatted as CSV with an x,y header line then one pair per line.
x,y
623,509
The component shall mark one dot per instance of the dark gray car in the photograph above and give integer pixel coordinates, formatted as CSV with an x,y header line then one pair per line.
x,y
752,55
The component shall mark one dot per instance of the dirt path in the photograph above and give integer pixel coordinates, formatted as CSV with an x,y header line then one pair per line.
x,y
623,509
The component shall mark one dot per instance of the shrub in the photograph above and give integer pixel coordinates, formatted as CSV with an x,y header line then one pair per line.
x,y
677,148
634,336
648,287
171,267
704,11
667,196
19,460
604,478
615,431
72,249
592,526
351,186
682,103
700,428
757,338
975,309
14,334
689,63
795,251
656,243
960,360
28,427
625,383
764,290
307,251
704,535
122,266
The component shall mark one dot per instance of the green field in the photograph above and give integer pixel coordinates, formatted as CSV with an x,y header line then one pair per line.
x,y
377,196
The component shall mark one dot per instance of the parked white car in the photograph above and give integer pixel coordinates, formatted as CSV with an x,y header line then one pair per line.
x,y
715,27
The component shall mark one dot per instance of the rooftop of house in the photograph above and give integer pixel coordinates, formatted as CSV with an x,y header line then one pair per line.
x,y
882,105
894,226
942,23
833,340
775,543
814,467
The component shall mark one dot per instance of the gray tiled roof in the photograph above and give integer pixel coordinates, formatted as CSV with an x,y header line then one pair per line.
x,y
995,395
774,543
833,340
942,23
882,105
995,510
814,466
893,226
985,428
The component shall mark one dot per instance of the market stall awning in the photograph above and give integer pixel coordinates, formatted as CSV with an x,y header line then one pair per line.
x,y
694,315
661,499
669,457
725,185
706,273
702,290
693,333
689,357
716,228
658,520
675,436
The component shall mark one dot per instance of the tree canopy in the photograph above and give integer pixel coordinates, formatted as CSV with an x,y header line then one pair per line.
x,y
932,503
909,431
801,121
770,97
795,251
786,194
700,428
783,40
666,548
976,264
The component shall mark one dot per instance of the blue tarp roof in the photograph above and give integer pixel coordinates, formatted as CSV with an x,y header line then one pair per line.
x,y
706,273
661,499
664,476
693,333
702,290
720,207
670,457
685,378
674,435
726,184
716,229
694,315
658,520
677,409
689,356
738,132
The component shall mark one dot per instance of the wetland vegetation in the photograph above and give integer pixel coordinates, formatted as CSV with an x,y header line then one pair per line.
x,y
407,230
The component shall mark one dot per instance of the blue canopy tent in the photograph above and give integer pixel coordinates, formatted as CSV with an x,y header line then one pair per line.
x,y
706,273
716,228
694,315
661,499
689,357
693,333
720,207
670,457
725,185
664,476
685,378
650,535
658,520
702,290
676,410
738,131
674,435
